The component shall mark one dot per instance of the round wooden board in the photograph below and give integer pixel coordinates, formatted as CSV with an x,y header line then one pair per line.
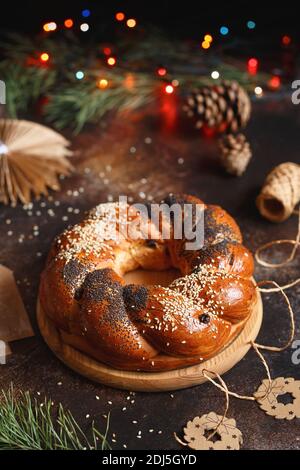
x,y
151,381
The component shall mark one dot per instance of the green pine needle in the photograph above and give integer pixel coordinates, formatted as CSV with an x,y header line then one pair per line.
x,y
72,103
85,103
24,85
27,425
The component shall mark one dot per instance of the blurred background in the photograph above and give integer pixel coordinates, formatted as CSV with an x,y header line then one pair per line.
x,y
188,18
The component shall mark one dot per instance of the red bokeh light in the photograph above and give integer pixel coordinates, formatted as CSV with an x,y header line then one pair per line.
x,y
120,16
161,71
69,23
252,66
274,82
286,40
106,50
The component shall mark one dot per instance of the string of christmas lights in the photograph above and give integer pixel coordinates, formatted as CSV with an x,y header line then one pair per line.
x,y
109,67
252,63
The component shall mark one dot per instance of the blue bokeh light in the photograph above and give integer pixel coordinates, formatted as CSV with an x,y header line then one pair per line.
x,y
251,24
224,30
86,13
79,75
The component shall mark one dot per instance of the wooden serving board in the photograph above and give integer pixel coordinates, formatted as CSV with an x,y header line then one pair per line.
x,y
151,381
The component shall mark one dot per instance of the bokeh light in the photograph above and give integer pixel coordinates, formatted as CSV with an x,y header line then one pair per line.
x,y
106,50
252,66
120,16
286,40
205,45
102,83
84,27
208,38
253,62
131,23
111,61
215,75
224,30
169,89
52,26
274,82
79,75
161,71
86,13
69,23
44,57
251,24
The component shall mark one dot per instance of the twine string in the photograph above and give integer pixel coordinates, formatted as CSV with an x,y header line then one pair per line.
x,y
281,288
226,391
223,387
291,316
290,258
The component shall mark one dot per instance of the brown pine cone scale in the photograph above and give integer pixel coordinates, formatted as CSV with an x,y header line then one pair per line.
x,y
220,106
235,153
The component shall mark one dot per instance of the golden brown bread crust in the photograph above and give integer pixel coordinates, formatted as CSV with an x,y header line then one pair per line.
x,y
134,327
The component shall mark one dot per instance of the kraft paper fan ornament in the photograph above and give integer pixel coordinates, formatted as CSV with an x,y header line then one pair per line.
x,y
32,157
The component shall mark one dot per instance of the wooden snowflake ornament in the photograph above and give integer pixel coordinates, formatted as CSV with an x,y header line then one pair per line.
x,y
270,404
197,432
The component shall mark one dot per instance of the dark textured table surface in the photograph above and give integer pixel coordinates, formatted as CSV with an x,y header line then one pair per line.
x,y
142,155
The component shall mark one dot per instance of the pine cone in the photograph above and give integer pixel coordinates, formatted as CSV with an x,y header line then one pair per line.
x,y
235,153
220,106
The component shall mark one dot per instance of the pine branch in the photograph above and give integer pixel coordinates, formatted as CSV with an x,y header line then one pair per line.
x,y
27,425
24,86
74,103
84,102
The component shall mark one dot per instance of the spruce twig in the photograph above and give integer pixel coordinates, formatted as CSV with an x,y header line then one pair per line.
x,y
74,103
27,425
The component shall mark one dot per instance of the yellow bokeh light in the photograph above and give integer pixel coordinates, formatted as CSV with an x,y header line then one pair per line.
x,y
44,57
131,23
102,83
111,61
50,27
205,45
208,38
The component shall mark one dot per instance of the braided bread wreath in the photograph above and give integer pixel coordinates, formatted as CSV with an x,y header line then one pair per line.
x,y
153,328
